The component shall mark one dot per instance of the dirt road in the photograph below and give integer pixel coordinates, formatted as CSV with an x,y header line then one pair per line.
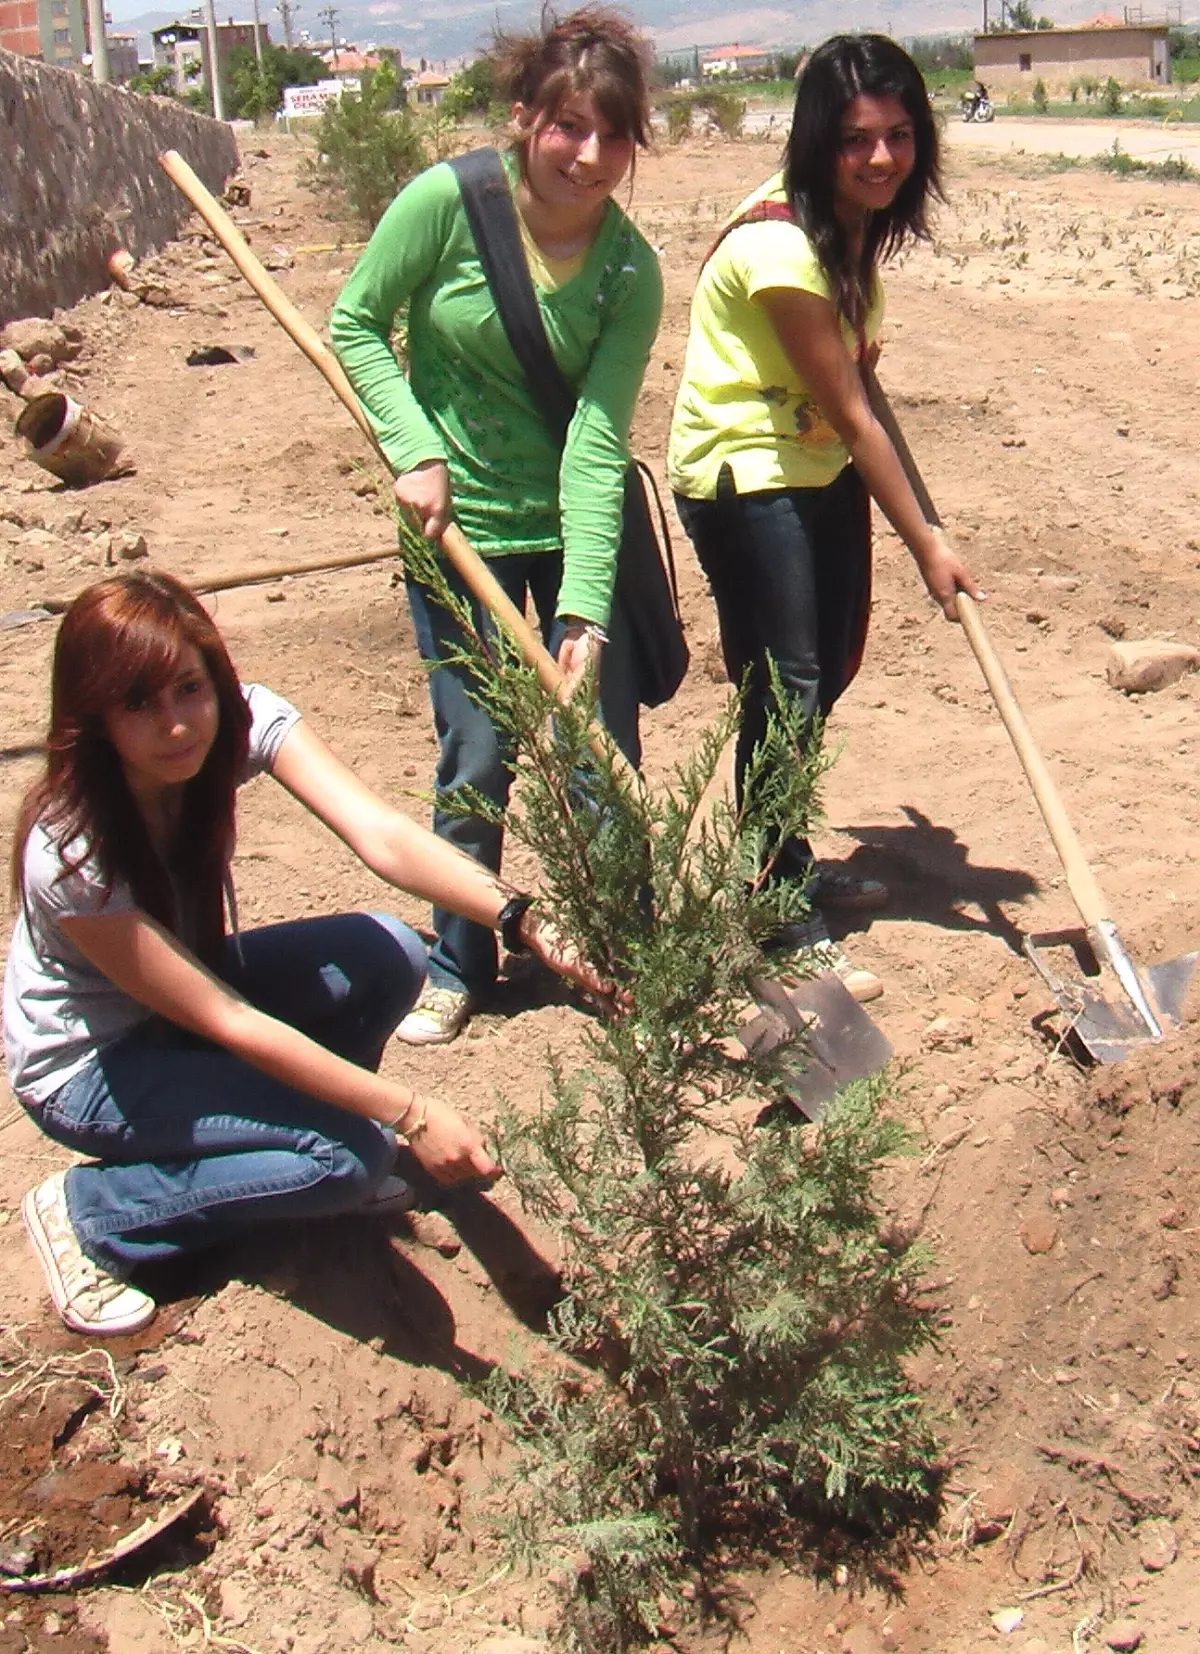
x,y
1014,134
1032,135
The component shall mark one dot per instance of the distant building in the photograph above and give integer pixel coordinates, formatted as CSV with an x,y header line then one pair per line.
x,y
743,61
1134,54
183,46
348,60
54,30
430,86
122,56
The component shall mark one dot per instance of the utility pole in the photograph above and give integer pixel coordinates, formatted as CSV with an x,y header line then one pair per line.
x,y
287,10
214,62
328,14
258,51
100,68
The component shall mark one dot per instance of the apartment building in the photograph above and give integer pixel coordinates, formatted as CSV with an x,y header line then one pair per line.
x,y
54,30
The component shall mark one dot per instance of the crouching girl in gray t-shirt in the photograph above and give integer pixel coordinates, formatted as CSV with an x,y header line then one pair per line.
x,y
215,1080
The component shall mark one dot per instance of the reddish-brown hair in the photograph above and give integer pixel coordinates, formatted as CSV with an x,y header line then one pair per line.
x,y
120,641
596,51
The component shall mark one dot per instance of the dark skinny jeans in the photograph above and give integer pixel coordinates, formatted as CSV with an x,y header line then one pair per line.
x,y
790,571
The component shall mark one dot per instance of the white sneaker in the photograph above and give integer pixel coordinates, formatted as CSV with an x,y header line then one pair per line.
x,y
88,1298
860,983
810,939
439,1016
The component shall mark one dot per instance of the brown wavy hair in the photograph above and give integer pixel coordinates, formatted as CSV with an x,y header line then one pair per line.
x,y
120,641
597,51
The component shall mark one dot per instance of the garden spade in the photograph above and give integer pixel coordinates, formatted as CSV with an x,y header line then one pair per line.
x,y
1149,1000
830,1039
819,1014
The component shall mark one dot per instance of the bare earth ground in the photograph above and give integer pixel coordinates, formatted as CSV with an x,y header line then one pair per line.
x,y
1044,356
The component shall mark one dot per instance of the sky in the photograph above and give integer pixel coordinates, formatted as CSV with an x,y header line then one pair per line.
x,y
773,22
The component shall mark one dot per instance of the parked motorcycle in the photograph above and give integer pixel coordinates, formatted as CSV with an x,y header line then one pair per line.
x,y
975,108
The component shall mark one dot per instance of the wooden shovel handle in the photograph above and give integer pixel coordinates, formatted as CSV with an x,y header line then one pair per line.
x,y
474,571
1085,888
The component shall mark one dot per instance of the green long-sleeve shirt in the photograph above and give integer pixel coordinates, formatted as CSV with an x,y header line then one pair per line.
x,y
466,400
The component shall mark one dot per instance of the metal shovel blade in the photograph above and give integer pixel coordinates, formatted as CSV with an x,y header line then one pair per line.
x,y
834,1039
1106,1022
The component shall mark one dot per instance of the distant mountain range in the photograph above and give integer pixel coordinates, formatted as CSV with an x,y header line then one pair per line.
x,y
449,30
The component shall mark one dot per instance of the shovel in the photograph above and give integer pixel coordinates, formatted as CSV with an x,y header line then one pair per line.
x,y
837,1040
832,1040
1151,999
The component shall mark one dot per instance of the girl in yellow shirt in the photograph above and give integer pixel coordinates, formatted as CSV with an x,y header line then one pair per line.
x,y
774,449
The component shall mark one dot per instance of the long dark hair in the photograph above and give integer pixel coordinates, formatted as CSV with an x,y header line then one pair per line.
x,y
595,50
120,640
838,72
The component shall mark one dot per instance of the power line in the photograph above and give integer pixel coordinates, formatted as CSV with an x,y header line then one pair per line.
x,y
328,14
287,10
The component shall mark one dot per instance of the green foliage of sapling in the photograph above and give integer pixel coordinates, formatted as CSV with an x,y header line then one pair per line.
x,y
732,1338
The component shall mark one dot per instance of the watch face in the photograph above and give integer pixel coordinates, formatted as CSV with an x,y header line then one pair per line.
x,y
509,923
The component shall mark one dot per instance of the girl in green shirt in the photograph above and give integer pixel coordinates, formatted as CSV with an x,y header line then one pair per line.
x,y
463,432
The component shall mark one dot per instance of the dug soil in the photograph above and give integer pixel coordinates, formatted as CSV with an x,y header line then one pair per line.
x,y
1043,355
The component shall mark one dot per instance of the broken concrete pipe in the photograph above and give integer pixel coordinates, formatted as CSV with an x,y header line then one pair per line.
x,y
68,441
120,266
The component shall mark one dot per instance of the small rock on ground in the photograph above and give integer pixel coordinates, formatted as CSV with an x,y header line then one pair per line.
x,y
1157,1546
1039,1232
1006,1620
1123,1636
1140,667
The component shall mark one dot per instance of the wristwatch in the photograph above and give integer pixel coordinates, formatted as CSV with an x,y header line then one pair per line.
x,y
508,923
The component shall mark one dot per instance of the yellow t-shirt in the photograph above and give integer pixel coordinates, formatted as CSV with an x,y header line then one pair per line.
x,y
741,402
549,273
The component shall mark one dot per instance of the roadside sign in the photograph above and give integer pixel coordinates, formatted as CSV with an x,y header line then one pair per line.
x,y
311,100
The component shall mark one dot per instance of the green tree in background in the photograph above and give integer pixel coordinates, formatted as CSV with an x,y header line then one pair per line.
x,y
255,92
159,82
933,52
472,91
1020,16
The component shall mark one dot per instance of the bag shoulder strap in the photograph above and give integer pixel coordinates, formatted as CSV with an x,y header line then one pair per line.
x,y
776,212
664,533
488,204
762,212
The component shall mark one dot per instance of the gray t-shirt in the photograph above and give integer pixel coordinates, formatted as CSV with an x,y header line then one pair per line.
x,y
59,1010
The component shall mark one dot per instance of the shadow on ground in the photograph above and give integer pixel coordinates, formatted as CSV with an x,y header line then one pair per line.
x,y
932,879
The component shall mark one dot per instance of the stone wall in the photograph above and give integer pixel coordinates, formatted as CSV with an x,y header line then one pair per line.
x,y
80,178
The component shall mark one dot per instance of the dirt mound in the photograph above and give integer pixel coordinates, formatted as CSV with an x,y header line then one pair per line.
x,y
1166,1075
74,1504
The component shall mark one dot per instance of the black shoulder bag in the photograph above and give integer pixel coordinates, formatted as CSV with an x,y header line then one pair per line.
x,y
645,587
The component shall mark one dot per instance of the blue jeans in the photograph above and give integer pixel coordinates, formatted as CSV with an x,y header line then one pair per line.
x,y
790,572
475,754
194,1143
